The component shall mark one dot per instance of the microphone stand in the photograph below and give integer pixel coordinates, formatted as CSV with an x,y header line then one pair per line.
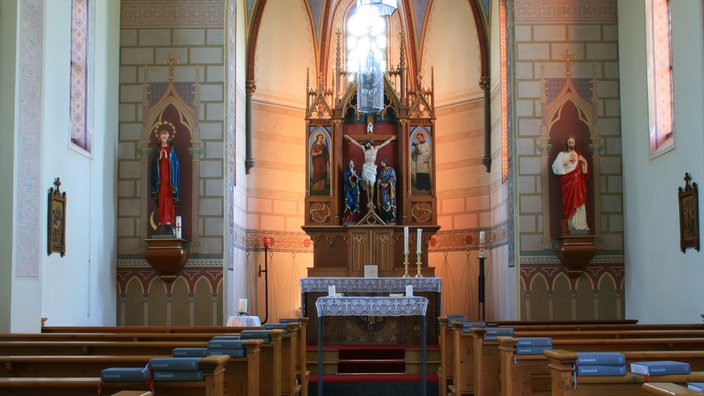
x,y
482,307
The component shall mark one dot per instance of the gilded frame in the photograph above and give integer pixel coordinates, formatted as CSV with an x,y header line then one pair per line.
x,y
56,225
688,197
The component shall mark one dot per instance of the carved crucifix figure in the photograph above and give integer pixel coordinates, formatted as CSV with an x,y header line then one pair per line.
x,y
369,167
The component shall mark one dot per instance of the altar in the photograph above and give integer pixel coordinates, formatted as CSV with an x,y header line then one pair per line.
x,y
371,329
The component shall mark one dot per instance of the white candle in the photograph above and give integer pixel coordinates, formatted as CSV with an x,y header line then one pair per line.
x,y
420,240
409,290
178,227
243,305
482,234
405,239
331,291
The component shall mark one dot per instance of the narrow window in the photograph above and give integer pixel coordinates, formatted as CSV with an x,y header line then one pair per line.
x,y
659,69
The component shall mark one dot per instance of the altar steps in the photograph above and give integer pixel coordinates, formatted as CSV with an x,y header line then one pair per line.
x,y
372,370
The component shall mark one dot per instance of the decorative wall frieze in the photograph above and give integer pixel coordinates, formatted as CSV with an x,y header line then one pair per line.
x,y
557,10
172,14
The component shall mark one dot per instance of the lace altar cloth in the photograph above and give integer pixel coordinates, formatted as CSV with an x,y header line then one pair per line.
x,y
371,306
371,285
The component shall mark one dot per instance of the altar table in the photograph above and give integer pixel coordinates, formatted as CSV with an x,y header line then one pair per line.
x,y
371,329
373,306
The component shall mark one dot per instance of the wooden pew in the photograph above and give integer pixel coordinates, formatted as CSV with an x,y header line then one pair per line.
x,y
445,338
145,329
667,389
241,374
562,380
120,336
527,374
485,356
294,383
213,384
302,372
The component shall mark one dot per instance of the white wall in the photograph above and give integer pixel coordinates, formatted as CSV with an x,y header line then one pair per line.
x,y
79,288
8,25
662,283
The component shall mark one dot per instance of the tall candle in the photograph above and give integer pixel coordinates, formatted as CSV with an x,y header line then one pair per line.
x,y
420,240
243,305
179,226
405,239
481,236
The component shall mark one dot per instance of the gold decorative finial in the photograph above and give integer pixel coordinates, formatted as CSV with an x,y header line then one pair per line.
x,y
171,61
568,58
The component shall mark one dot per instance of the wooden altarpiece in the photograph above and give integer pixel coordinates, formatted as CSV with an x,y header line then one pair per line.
x,y
343,247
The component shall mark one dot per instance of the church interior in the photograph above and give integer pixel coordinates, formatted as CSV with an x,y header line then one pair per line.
x,y
198,164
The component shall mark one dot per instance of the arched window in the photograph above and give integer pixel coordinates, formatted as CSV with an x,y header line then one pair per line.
x,y
366,55
366,32
659,69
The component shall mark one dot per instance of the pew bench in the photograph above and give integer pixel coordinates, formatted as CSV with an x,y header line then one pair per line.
x,y
486,369
294,371
213,384
241,374
562,379
527,375
667,389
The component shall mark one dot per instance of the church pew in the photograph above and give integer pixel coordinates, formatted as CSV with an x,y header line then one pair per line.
x,y
241,374
213,384
120,336
489,382
466,358
562,380
527,374
446,368
270,364
298,380
667,389
145,329
477,362
302,372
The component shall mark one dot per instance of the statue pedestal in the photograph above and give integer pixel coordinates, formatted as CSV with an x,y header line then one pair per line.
x,y
575,252
167,256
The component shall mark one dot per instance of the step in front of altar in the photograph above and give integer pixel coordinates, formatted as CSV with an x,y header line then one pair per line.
x,y
373,384
388,359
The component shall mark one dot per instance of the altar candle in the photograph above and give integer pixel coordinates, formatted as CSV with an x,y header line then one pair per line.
x,y
409,290
405,239
178,227
481,236
420,240
243,305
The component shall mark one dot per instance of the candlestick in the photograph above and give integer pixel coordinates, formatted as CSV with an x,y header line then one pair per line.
x,y
419,241
418,264
405,265
405,240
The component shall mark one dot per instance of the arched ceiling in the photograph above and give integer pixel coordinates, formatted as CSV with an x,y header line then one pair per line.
x,y
430,29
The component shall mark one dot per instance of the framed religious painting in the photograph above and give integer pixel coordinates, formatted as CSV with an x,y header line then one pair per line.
x,y
56,230
689,214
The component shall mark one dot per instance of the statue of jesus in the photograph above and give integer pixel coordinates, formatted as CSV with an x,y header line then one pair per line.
x,y
369,166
